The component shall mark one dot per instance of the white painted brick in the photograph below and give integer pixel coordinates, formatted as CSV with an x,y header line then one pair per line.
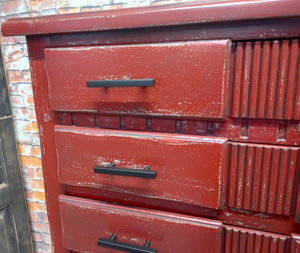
x,y
46,238
21,96
119,1
133,3
24,89
80,3
29,14
25,48
13,88
24,113
13,50
36,139
42,248
20,39
7,40
50,11
22,101
17,101
26,76
20,89
15,7
22,125
22,7
20,113
21,63
23,137
26,150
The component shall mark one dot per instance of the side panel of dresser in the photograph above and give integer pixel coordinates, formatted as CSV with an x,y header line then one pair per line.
x,y
45,119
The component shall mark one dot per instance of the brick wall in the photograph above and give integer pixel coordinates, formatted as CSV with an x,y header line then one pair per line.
x,y
20,88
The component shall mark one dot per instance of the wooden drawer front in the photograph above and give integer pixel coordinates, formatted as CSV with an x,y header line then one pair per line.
x,y
190,78
85,221
254,241
263,178
189,168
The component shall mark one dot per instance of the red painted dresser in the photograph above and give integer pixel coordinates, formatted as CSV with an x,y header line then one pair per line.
x,y
170,129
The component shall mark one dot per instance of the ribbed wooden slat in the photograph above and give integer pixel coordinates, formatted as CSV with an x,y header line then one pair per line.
x,y
296,106
263,80
291,81
248,179
257,179
255,73
237,80
246,79
282,80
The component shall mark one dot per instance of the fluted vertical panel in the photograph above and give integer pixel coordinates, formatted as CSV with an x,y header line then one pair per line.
x,y
250,241
263,178
266,80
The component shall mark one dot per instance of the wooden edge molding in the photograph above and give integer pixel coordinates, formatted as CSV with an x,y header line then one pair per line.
x,y
153,16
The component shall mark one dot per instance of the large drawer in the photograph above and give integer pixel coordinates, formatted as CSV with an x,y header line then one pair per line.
x,y
86,223
190,78
189,169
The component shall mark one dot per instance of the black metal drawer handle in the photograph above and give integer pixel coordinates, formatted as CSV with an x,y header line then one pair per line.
x,y
121,83
112,170
126,247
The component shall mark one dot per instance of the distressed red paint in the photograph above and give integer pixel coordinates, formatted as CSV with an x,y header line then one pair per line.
x,y
257,113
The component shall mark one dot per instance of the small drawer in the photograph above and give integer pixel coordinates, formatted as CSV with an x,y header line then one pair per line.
x,y
189,79
238,239
88,223
188,169
263,178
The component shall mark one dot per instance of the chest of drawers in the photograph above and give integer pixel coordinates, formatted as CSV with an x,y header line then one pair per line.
x,y
170,129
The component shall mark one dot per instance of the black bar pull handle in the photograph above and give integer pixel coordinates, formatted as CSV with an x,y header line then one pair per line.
x,y
126,247
121,83
112,170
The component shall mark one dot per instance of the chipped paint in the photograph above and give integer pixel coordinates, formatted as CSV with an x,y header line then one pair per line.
x,y
196,86
186,178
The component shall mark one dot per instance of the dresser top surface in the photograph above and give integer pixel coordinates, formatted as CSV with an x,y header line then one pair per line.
x,y
217,11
